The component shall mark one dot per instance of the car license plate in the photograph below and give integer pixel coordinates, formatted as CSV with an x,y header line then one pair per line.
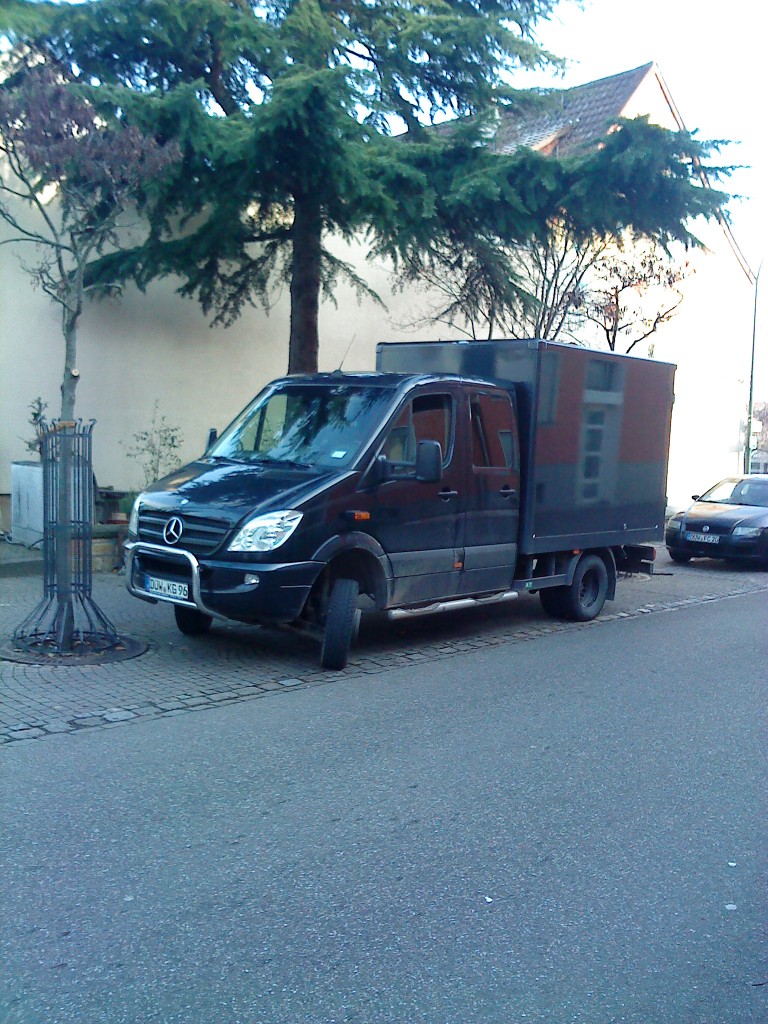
x,y
703,538
166,588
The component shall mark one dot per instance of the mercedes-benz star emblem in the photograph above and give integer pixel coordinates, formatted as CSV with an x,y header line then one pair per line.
x,y
173,530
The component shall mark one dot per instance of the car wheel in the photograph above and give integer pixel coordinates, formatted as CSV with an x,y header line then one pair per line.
x,y
584,599
341,624
679,556
190,621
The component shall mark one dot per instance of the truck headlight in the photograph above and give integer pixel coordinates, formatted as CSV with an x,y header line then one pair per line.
x,y
133,522
267,532
747,531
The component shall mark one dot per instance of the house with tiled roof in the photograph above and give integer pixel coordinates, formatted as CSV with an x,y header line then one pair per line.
x,y
577,118
155,352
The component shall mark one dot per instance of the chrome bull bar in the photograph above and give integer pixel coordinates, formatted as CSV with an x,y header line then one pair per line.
x,y
133,548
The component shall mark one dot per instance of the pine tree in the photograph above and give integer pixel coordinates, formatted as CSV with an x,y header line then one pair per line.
x,y
287,113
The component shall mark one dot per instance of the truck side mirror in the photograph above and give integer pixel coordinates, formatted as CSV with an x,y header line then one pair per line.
x,y
429,462
213,436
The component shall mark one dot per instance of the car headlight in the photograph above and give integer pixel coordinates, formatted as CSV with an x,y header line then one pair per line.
x,y
133,522
747,531
675,524
267,532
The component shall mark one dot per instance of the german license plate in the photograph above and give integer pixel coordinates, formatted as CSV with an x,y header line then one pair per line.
x,y
166,588
703,538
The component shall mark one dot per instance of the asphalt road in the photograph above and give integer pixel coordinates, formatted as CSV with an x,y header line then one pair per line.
x,y
566,830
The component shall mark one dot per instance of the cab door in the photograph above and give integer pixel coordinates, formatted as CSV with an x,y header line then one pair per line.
x,y
492,501
419,523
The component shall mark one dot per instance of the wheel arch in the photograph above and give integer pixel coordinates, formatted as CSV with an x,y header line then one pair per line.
x,y
360,557
608,558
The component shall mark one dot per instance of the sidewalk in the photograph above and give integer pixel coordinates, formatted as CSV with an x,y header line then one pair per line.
x,y
235,663
17,560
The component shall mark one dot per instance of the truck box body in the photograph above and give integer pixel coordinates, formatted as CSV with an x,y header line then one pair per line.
x,y
594,434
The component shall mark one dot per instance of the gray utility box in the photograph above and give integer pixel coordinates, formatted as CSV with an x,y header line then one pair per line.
x,y
594,434
27,502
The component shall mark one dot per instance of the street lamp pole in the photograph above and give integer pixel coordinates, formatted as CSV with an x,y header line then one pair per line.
x,y
748,439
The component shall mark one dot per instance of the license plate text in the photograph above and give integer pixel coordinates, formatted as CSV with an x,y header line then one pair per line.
x,y
166,588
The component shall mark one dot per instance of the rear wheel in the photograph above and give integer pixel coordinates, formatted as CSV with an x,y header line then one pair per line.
x,y
584,599
341,624
190,621
679,556
552,601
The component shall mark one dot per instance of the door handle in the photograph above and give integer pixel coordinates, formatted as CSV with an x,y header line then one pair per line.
x,y
446,494
507,491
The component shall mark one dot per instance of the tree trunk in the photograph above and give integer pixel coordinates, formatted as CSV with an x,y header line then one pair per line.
x,y
65,615
70,377
305,285
64,527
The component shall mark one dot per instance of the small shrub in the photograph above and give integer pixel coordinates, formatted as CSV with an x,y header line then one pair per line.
x,y
155,449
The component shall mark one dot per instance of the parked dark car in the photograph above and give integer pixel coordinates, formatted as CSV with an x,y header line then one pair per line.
x,y
729,521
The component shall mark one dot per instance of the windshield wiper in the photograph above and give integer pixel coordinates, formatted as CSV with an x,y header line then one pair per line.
x,y
283,462
224,458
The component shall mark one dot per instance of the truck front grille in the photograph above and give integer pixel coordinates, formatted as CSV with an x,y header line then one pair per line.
x,y
199,535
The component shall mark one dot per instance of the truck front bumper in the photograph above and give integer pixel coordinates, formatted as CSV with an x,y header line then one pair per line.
x,y
245,592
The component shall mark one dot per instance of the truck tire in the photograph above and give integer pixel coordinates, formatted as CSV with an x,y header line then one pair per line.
x,y
340,624
584,599
552,601
190,621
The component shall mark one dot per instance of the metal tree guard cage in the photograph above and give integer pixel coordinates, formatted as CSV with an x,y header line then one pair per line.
x,y
67,620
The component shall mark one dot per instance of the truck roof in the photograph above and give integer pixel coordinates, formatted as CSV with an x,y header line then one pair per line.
x,y
380,379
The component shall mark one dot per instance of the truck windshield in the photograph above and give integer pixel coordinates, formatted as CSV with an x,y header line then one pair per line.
x,y
305,426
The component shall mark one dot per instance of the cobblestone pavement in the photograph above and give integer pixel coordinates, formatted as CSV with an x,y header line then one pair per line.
x,y
231,664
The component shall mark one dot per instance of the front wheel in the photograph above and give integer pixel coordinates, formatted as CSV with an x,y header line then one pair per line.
x,y
341,624
190,621
679,556
584,599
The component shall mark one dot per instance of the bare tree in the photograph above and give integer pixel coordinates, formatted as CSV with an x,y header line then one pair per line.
x,y
563,285
69,176
72,176
627,298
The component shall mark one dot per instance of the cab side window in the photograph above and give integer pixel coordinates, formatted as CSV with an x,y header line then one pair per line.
x,y
493,431
425,418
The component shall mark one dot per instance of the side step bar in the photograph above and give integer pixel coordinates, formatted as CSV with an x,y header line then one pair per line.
x,y
452,605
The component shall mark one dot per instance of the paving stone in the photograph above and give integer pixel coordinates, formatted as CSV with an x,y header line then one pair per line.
x,y
26,734
118,716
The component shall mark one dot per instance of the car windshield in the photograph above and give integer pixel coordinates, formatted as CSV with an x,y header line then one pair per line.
x,y
737,491
305,426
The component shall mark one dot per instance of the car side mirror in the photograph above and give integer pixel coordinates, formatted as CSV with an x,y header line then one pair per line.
x,y
695,497
429,462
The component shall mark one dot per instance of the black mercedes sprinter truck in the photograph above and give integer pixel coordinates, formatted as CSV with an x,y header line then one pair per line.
x,y
458,472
